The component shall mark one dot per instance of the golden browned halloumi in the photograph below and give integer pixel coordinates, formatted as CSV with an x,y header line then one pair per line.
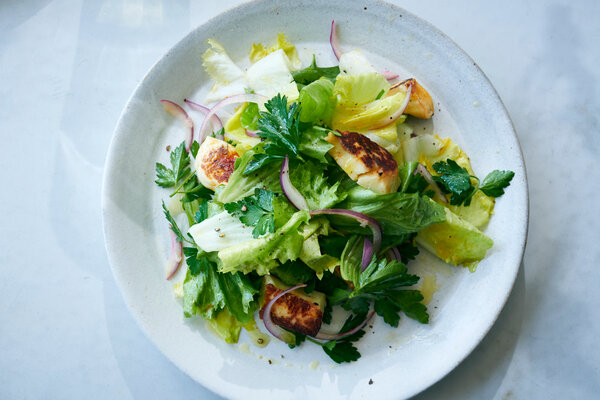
x,y
296,310
215,162
366,162
420,104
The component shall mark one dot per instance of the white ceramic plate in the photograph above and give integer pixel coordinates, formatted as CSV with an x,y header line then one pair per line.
x,y
400,362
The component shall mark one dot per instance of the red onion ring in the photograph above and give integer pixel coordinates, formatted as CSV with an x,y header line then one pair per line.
x,y
176,256
367,254
337,336
363,219
175,110
273,328
389,120
216,122
292,194
333,41
389,75
235,99
429,179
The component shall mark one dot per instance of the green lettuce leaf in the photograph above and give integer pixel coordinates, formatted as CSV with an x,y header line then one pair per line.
x,y
359,89
351,259
412,182
260,255
309,179
455,240
240,185
220,231
226,326
349,117
316,102
398,213
313,72
228,78
206,291
314,145
311,253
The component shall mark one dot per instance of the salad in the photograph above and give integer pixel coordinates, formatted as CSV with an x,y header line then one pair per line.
x,y
305,190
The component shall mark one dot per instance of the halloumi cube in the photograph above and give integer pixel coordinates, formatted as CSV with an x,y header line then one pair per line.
x,y
215,162
296,310
366,162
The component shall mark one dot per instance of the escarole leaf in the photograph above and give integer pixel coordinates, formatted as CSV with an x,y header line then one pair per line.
x,y
360,117
314,145
226,326
398,213
455,241
228,78
309,179
242,185
206,291
260,255
316,102
220,231
350,261
259,51
359,89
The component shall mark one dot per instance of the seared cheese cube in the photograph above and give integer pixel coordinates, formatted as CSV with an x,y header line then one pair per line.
x,y
296,310
215,162
366,162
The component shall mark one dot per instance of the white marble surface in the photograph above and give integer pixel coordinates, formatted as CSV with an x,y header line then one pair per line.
x,y
67,68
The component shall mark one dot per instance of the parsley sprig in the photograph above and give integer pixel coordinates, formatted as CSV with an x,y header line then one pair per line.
x,y
256,211
343,350
175,228
381,283
279,126
457,181
180,161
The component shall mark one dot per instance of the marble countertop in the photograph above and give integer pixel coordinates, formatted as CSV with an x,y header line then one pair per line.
x,y
67,68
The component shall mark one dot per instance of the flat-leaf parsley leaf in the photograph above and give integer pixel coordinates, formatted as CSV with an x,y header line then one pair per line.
x,y
180,160
256,211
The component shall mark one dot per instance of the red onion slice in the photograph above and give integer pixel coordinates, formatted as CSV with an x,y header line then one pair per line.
x,y
397,253
363,219
175,110
429,179
251,133
389,75
333,41
391,119
367,254
394,254
216,122
235,99
176,256
337,336
273,328
292,194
